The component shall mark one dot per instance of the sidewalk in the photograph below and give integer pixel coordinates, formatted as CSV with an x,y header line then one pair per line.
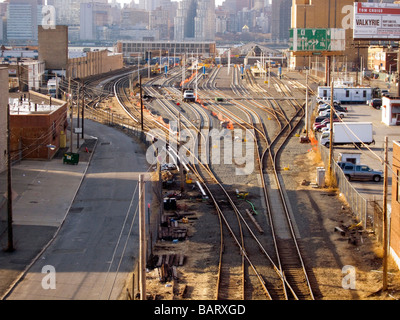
x,y
43,194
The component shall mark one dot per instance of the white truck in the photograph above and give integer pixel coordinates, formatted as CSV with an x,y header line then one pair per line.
x,y
188,96
52,87
357,133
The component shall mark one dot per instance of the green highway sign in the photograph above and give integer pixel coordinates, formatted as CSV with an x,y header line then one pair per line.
x,y
309,40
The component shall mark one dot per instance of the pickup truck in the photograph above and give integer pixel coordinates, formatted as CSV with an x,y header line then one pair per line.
x,y
360,172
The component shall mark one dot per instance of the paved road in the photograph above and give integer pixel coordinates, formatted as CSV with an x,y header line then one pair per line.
x,y
86,254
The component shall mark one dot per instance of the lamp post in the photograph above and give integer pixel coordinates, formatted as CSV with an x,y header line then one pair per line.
x,y
10,241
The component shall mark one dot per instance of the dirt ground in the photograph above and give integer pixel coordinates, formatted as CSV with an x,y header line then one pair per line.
x,y
329,256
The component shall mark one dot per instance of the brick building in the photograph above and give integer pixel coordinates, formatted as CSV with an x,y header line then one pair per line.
x,y
395,210
382,59
53,47
35,126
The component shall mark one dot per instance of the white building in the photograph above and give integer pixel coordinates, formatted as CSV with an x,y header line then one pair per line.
x,y
391,111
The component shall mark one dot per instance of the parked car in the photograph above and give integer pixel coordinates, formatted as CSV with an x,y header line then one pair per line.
x,y
328,112
337,107
326,100
319,119
323,106
385,93
326,128
375,103
341,108
324,124
360,172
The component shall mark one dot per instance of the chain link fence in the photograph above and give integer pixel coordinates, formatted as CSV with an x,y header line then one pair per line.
x,y
363,209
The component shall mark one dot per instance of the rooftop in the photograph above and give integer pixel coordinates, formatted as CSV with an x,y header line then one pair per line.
x,y
26,107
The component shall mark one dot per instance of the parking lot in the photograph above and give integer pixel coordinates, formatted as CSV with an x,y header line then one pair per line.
x,y
372,155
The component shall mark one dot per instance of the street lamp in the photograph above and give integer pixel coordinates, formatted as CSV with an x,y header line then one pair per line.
x,y
52,147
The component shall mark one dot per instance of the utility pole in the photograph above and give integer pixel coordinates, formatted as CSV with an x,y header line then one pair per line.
x,y
83,108
181,159
148,64
197,71
307,104
142,239
229,60
183,72
331,135
10,242
269,70
385,222
398,72
141,102
78,120
71,107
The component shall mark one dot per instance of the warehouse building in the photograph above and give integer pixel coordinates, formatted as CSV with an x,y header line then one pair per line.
x,y
132,48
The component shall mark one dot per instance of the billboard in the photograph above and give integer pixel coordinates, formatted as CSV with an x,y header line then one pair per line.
x,y
317,40
376,21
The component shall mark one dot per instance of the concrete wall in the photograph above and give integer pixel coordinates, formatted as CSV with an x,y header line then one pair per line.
x,y
53,47
3,117
95,62
395,214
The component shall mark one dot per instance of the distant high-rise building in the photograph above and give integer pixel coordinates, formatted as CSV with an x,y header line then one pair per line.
x,y
149,5
96,18
23,18
184,20
281,19
87,27
205,20
195,20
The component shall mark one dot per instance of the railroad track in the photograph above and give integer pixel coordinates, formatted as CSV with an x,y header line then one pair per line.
x,y
232,221
289,255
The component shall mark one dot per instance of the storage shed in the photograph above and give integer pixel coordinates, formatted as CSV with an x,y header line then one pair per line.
x,y
391,111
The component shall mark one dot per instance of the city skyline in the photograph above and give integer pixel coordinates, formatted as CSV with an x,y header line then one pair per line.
x,y
217,2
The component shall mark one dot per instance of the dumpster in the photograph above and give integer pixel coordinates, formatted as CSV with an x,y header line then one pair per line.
x,y
71,158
